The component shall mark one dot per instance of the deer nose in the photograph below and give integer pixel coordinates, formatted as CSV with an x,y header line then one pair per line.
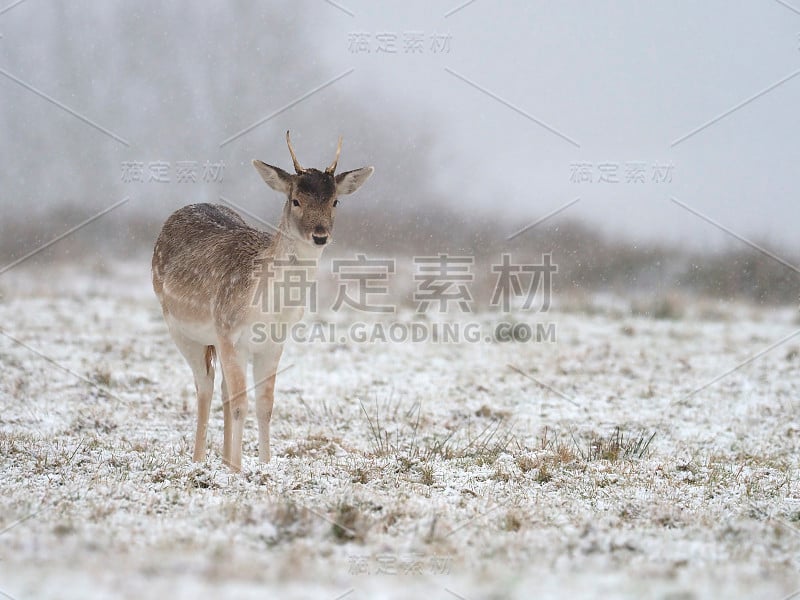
x,y
320,235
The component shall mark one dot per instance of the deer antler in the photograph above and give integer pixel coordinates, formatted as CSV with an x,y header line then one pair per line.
x,y
332,168
297,166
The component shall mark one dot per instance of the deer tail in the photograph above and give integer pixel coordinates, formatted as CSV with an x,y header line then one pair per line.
x,y
210,355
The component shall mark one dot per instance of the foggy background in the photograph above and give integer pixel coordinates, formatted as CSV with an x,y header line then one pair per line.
x,y
660,134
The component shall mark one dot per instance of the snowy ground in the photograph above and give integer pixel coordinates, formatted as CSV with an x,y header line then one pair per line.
x,y
400,470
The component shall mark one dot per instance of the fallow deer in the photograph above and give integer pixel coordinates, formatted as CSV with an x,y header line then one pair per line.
x,y
206,267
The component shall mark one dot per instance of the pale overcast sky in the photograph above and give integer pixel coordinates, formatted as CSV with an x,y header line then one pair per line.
x,y
645,111
607,91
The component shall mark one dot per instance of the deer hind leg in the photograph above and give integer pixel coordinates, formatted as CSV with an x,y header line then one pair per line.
x,y
265,368
233,370
200,359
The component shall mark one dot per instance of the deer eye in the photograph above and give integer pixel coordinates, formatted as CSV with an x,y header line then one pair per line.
x,y
336,202
295,203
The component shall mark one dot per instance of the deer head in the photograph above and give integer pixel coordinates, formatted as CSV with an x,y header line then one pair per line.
x,y
311,195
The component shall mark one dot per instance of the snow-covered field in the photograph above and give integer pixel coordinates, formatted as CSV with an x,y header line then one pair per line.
x,y
587,467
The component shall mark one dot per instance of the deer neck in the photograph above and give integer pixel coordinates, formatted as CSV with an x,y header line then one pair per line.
x,y
287,246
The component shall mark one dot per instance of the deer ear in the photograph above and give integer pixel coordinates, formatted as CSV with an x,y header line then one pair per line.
x,y
278,179
349,181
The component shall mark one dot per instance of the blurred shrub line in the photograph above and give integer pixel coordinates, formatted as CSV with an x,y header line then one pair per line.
x,y
588,261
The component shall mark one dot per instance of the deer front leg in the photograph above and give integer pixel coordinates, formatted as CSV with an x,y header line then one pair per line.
x,y
265,369
233,370
226,414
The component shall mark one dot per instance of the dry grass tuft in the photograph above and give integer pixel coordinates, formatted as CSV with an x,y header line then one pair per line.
x,y
349,524
617,446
